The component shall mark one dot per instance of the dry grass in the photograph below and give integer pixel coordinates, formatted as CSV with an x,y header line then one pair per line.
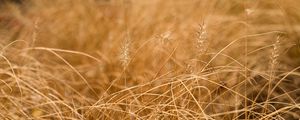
x,y
150,59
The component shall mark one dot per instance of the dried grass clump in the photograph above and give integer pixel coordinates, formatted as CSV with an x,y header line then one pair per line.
x,y
149,59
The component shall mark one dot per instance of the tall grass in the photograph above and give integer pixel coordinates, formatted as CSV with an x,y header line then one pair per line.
x,y
149,59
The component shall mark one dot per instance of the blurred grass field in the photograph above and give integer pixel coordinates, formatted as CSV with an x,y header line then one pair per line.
x,y
150,59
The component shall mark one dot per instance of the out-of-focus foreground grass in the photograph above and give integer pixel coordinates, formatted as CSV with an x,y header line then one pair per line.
x,y
150,59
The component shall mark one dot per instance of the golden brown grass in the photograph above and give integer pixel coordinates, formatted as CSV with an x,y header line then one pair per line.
x,y
150,59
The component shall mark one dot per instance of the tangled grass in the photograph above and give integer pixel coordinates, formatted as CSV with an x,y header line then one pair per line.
x,y
150,59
